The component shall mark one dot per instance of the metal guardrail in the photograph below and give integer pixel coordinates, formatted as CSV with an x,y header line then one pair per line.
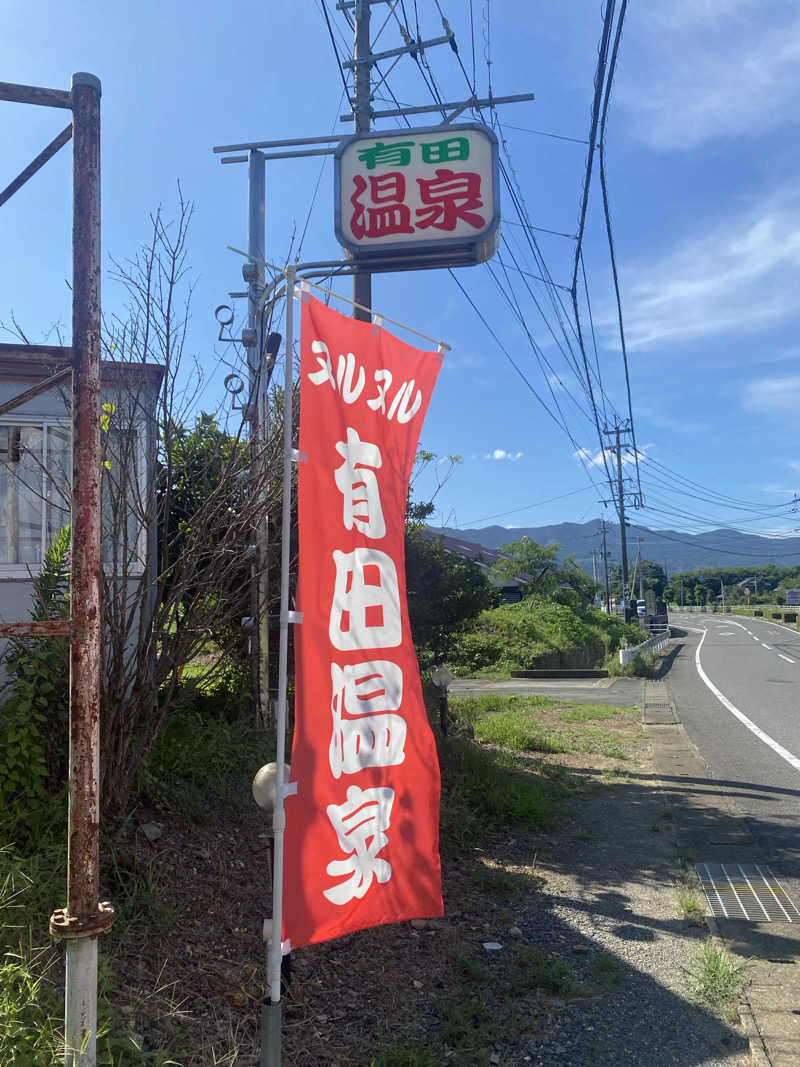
x,y
655,643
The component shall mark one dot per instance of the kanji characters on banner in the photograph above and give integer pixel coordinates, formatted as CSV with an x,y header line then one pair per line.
x,y
362,830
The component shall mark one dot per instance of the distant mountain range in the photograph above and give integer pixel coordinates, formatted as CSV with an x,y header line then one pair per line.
x,y
681,551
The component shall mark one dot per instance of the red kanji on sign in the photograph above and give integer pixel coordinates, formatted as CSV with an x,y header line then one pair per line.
x,y
390,216
452,197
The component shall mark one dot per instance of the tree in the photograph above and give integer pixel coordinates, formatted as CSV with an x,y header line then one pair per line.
x,y
177,519
534,566
445,592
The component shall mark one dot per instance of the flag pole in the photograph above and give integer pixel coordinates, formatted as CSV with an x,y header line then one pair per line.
x,y
273,1049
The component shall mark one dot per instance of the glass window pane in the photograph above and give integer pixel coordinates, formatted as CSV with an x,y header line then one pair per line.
x,y
59,479
20,494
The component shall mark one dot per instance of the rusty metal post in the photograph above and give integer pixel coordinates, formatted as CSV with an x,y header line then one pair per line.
x,y
84,918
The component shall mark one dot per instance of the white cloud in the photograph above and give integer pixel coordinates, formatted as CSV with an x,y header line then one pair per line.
x,y
740,275
794,464
774,395
704,69
500,453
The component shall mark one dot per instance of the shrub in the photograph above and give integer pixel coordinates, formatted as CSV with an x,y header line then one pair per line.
x,y
539,632
34,703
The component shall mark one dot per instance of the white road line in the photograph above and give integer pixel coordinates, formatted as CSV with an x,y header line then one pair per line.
x,y
767,646
784,753
788,660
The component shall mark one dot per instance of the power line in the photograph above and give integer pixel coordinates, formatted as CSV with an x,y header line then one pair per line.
x,y
544,133
609,233
526,507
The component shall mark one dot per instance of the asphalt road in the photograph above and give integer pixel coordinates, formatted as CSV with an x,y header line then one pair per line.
x,y
736,686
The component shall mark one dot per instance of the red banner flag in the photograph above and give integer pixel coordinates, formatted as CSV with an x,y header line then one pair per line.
x,y
362,830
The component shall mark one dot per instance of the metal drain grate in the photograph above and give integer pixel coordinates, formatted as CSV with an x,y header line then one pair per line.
x,y
657,714
746,891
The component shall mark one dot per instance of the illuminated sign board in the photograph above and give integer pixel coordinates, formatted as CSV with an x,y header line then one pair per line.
x,y
418,198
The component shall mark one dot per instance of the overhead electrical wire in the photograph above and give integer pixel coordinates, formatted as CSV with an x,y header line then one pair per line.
x,y
599,81
563,319
609,231
526,507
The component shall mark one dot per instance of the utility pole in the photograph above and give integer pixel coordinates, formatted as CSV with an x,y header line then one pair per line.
x,y
256,412
594,566
641,569
619,501
362,115
605,569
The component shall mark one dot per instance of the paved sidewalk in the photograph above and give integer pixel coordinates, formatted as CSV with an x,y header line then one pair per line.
x,y
711,828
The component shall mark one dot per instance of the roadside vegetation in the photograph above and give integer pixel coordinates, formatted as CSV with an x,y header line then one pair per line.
x,y
540,632
716,979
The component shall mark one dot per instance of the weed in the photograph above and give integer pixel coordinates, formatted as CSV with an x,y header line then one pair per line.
x,y
613,774
406,1054
476,707
482,790
540,971
515,728
469,1022
716,978
472,969
689,906
137,885
497,880
202,763
593,712
603,972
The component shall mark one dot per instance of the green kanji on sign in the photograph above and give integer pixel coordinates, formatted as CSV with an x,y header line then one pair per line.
x,y
397,154
444,151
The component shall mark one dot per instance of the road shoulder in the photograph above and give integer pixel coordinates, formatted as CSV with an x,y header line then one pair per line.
x,y
711,827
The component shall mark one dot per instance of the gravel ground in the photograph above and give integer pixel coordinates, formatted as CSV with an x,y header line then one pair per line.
x,y
609,889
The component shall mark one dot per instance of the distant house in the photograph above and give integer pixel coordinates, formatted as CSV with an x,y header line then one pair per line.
x,y
510,588
36,463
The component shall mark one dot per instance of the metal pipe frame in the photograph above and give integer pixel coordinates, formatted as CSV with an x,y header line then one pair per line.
x,y
83,862
427,109
247,146
36,164
84,917
29,394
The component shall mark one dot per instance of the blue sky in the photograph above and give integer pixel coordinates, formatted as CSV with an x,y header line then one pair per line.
x,y
703,160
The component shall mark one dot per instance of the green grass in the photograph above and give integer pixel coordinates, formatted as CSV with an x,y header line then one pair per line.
x,y
593,712
484,790
476,707
716,978
538,970
603,973
517,729
690,907
400,1053
202,763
